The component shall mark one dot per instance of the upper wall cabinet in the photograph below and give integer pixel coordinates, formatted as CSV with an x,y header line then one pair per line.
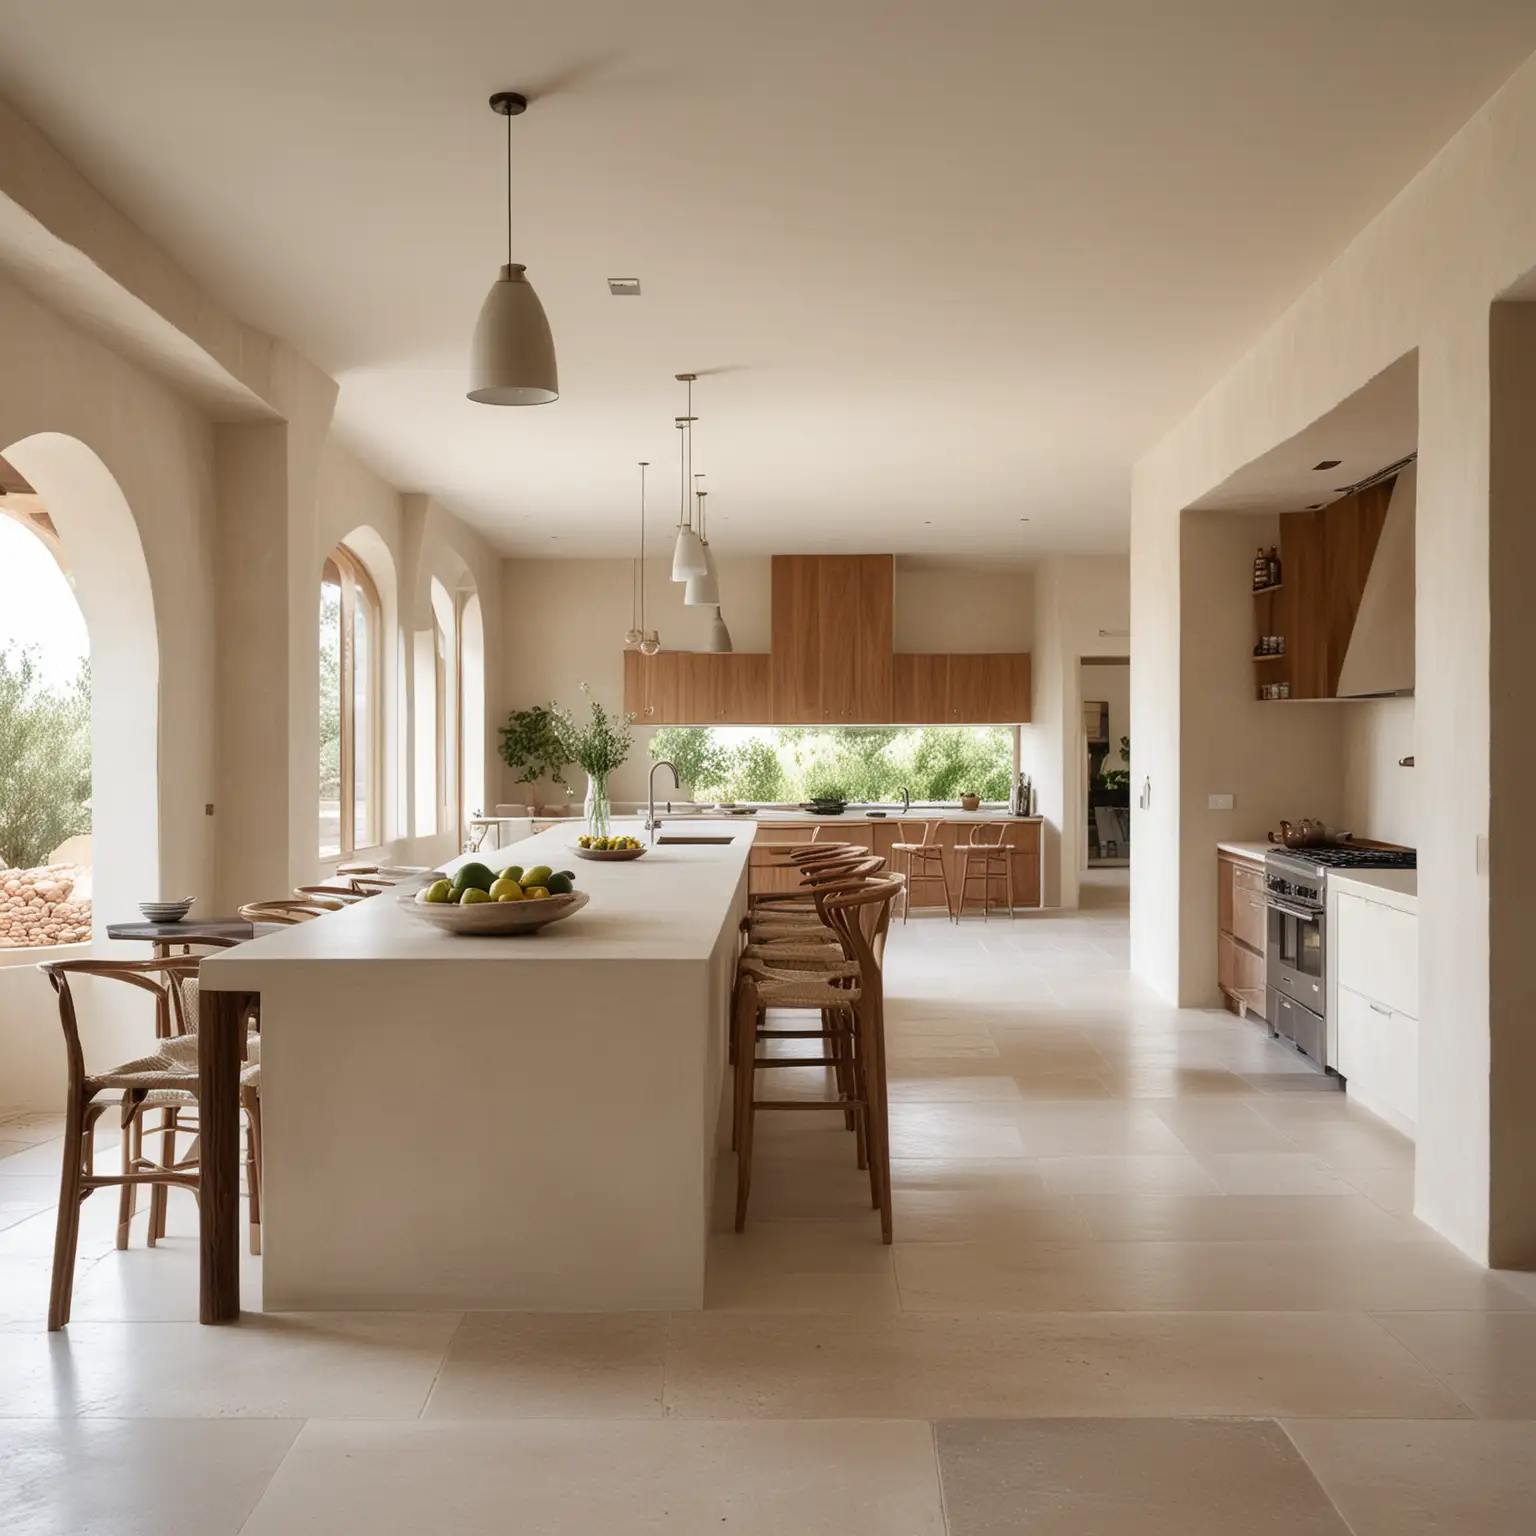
x,y
1344,608
831,660
962,689
697,688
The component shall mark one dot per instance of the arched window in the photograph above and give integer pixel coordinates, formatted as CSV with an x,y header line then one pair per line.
x,y
350,776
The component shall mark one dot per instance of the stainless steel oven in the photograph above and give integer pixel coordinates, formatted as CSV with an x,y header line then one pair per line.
x,y
1296,958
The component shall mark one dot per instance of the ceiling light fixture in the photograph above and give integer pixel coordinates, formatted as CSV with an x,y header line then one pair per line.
x,y
703,591
512,357
688,554
624,287
1327,464
649,641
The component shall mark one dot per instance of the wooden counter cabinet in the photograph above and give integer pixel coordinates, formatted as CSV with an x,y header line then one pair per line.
x,y
1242,926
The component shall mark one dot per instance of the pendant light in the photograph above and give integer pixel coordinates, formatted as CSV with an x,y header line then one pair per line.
x,y
636,631
719,635
688,553
703,591
649,640
512,357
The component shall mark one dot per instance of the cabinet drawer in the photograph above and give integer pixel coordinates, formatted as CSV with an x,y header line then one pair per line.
x,y
1379,1054
1375,952
1250,918
1247,877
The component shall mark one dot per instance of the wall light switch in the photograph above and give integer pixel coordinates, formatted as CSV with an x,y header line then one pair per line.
x,y
1220,802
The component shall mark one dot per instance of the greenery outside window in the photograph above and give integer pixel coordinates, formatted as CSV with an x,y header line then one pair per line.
x,y
350,777
857,763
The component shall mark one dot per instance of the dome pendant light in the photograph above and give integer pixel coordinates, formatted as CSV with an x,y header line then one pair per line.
x,y
512,357
703,591
688,554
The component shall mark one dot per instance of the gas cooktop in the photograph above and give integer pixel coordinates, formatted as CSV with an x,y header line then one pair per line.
x,y
1352,858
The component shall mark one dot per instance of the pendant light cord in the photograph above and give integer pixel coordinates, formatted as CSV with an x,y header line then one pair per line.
x,y
509,189
642,548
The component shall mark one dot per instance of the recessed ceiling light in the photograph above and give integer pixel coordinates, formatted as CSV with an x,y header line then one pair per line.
x,y
1328,464
624,287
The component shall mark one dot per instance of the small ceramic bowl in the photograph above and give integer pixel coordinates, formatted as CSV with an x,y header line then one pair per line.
x,y
166,911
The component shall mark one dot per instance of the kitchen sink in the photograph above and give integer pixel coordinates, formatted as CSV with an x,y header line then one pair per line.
x,y
710,842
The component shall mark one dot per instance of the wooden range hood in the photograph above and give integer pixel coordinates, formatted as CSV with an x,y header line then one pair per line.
x,y
833,662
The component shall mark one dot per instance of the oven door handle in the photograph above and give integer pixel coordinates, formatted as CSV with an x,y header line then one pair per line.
x,y
1306,914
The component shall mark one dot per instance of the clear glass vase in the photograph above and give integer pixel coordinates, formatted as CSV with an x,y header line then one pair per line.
x,y
599,812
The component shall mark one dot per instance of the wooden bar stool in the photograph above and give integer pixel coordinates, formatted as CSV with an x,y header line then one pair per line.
x,y
848,997
169,1075
288,913
986,858
920,857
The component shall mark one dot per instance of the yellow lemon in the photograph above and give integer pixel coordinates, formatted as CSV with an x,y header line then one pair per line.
x,y
506,890
535,893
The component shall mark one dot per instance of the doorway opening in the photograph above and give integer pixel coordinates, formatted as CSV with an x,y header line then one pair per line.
x,y
1106,762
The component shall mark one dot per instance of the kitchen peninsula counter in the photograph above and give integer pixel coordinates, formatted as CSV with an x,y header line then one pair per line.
x,y
521,1122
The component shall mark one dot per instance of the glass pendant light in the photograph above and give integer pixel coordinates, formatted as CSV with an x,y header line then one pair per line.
x,y
636,631
688,553
703,591
649,640
512,356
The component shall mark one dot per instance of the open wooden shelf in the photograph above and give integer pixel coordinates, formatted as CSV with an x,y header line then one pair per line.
x,y
1265,591
1273,656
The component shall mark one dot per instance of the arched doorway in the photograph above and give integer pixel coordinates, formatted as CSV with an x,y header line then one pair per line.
x,y
110,575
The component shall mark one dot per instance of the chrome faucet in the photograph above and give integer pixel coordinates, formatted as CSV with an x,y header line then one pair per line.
x,y
651,821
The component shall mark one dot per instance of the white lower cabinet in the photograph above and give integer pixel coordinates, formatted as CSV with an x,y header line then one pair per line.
x,y
1379,1056
1374,960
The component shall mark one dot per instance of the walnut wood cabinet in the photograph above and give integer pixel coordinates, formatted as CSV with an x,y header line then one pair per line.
x,y
831,661
962,689
772,837
697,687
1242,928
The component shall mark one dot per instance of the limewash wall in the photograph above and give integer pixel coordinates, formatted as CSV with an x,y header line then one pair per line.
x,y
1421,277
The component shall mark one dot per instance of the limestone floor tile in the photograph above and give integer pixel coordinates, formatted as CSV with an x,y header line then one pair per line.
x,y
511,1365
288,1366
1390,1188
1206,1125
620,1479
1350,1144
1053,1365
996,1274
1488,1359
1426,1478
136,1477
1272,1173
984,1211
1159,1082
1067,1129
1127,1173
801,1266
927,1130
1345,1217
953,1090
1168,1477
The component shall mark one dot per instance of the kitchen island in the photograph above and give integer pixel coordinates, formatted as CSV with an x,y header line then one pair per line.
x,y
523,1122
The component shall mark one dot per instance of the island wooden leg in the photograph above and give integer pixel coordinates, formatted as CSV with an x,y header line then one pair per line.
x,y
220,1054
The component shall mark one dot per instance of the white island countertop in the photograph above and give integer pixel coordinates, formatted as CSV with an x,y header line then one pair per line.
x,y
665,905
520,1122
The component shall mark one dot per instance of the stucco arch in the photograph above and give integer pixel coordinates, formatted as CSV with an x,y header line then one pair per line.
x,y
111,575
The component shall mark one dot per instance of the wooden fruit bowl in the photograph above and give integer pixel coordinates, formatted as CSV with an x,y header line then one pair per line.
x,y
611,855
490,917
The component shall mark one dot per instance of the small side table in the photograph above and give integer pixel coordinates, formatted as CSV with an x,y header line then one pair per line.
x,y
166,936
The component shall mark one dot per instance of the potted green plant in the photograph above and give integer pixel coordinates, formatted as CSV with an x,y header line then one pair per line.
x,y
597,748
530,746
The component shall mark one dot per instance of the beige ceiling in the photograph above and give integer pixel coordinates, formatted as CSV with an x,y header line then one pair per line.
x,y
946,267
